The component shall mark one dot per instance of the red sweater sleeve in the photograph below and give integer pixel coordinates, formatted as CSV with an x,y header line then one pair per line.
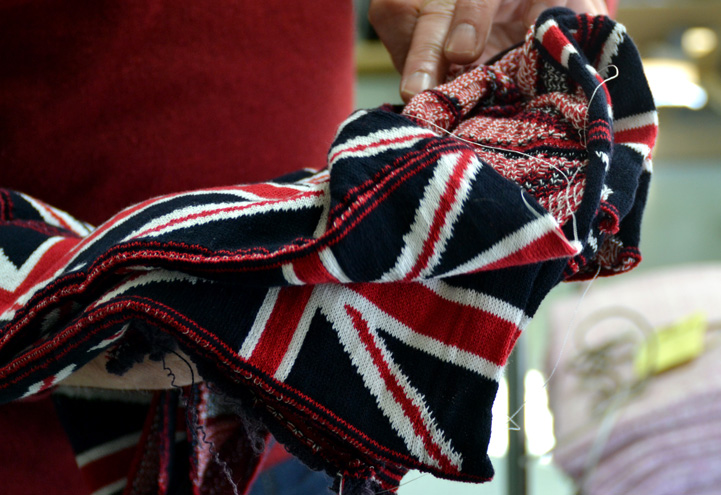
x,y
103,104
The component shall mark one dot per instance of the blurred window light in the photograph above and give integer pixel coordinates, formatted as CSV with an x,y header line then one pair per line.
x,y
698,42
498,446
539,420
674,83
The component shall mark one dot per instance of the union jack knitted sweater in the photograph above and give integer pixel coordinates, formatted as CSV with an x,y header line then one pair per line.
x,y
364,312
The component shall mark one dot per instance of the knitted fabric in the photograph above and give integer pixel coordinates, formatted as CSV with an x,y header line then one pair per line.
x,y
363,312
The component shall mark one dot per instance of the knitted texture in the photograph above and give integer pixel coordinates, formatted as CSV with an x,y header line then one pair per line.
x,y
363,312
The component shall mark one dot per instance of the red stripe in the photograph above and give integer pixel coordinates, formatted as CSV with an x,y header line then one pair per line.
x,y
410,410
439,219
645,135
45,267
280,328
554,41
310,270
377,144
551,245
270,191
467,328
57,217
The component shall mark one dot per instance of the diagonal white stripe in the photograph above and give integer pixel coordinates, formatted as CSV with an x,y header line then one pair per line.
x,y
289,274
337,315
376,318
261,320
114,487
510,244
107,449
330,263
11,276
156,276
296,343
462,194
372,144
478,300
610,48
191,216
45,212
414,241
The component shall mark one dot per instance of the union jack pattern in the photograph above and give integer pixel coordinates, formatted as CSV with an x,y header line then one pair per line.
x,y
364,311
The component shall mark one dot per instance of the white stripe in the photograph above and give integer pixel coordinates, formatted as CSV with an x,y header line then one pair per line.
x,y
322,226
610,48
566,53
84,246
12,276
47,211
478,300
243,210
107,449
543,28
156,276
111,488
352,118
512,243
640,148
296,343
414,240
454,213
289,274
57,378
261,320
330,263
636,121
105,343
370,144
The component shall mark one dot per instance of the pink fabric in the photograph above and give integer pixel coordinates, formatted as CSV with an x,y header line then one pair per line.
x,y
665,439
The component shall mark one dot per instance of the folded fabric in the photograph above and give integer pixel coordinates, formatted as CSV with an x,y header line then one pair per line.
x,y
662,439
363,312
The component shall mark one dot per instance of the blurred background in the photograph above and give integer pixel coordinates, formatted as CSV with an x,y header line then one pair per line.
x,y
680,42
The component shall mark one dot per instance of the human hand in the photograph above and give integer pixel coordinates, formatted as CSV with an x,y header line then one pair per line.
x,y
424,37
148,375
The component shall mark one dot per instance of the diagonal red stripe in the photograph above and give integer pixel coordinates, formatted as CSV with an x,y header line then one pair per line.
x,y
439,218
469,329
280,328
310,270
410,410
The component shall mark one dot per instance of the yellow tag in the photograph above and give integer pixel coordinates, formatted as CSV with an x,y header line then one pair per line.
x,y
671,346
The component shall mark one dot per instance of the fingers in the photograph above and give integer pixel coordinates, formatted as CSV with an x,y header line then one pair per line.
x,y
394,22
425,64
469,30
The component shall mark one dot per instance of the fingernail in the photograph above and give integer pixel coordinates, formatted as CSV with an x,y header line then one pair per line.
x,y
416,82
463,40
535,11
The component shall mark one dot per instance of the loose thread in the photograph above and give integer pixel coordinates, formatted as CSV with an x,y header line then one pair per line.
x,y
593,95
403,484
195,421
576,243
569,331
